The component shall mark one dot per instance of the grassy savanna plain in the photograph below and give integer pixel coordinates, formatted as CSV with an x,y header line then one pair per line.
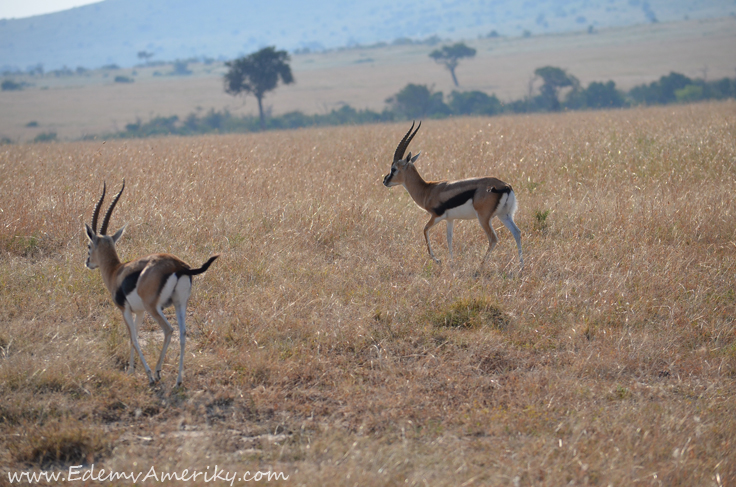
x,y
326,344
92,104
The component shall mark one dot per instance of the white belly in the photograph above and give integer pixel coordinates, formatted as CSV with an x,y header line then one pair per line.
x,y
462,212
134,301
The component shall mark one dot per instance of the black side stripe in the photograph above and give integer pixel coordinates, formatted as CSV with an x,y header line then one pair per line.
x,y
127,287
455,201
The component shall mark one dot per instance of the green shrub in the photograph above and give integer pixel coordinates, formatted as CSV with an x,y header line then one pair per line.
x,y
468,313
10,85
181,68
689,93
45,137
540,219
474,103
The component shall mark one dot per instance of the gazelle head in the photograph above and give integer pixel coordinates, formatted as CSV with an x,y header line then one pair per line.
x,y
400,164
101,244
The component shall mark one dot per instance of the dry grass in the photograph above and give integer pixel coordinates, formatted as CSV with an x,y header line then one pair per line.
x,y
326,344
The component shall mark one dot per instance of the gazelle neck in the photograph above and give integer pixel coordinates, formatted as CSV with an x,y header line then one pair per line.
x,y
109,263
415,185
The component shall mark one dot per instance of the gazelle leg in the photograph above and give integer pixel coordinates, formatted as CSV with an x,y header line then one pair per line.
x,y
128,317
180,316
429,225
138,321
158,315
492,237
509,223
450,224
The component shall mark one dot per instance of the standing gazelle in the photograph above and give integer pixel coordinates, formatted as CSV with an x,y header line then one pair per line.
x,y
481,198
150,283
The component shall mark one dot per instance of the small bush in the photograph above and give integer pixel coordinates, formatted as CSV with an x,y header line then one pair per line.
x,y
540,219
61,444
469,313
474,103
123,79
10,85
26,246
181,68
689,93
45,137
418,101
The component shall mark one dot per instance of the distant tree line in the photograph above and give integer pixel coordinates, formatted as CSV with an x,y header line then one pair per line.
x,y
221,122
557,91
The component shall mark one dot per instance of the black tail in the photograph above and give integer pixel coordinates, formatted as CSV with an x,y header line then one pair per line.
x,y
506,189
205,266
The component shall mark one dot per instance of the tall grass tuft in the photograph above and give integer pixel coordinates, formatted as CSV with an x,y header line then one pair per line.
x,y
468,313
61,444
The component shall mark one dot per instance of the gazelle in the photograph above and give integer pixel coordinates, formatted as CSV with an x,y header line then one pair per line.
x,y
481,198
150,283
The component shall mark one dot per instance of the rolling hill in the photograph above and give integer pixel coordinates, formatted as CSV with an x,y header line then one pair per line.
x,y
115,31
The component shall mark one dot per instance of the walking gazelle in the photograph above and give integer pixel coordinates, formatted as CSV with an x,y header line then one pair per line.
x,y
467,199
149,283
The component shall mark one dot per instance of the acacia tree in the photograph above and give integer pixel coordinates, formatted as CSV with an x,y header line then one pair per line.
x,y
145,56
449,56
257,74
418,101
553,79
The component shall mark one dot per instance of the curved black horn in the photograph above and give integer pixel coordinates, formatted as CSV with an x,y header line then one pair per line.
x,y
97,208
106,220
405,142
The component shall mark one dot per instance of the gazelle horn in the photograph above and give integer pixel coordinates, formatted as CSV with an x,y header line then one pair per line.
x,y
405,142
97,208
106,220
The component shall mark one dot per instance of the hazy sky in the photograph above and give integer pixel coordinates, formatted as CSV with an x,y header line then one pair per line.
x,y
17,9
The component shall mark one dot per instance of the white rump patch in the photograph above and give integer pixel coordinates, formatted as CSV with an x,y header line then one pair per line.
x,y
175,290
506,205
500,209
167,290
183,290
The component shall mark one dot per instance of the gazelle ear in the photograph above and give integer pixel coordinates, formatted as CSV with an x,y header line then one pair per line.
x,y
408,157
413,159
90,233
118,234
